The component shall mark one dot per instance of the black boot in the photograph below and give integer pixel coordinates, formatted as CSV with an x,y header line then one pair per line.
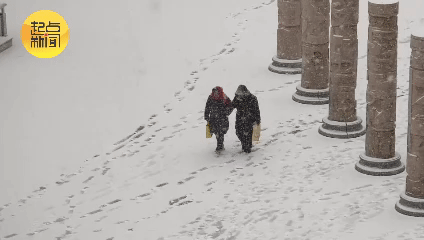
x,y
220,142
245,148
248,147
220,147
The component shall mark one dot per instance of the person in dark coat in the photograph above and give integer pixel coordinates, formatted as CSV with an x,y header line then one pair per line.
x,y
218,108
247,116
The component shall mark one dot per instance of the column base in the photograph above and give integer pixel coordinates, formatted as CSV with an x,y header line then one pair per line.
x,y
311,96
378,166
334,129
284,66
5,43
410,206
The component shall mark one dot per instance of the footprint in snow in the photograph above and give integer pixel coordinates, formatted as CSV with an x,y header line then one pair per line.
x,y
151,124
186,180
249,164
129,155
210,183
11,236
222,51
176,200
167,138
142,196
68,200
179,131
158,130
161,185
202,169
83,190
71,209
100,219
361,187
119,147
61,182
138,135
152,116
150,138
121,222
38,231
92,213
124,139
231,51
88,179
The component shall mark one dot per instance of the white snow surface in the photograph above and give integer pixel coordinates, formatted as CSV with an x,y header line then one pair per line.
x,y
154,67
418,29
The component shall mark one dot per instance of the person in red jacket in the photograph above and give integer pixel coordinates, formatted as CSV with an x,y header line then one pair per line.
x,y
218,108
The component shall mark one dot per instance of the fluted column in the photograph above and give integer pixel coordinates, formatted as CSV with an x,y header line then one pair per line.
x,y
5,41
3,26
342,121
380,158
313,88
289,35
412,200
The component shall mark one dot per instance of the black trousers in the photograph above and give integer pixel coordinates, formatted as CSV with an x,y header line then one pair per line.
x,y
244,133
220,139
219,128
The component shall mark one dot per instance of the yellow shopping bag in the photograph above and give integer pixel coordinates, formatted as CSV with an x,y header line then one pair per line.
x,y
208,131
256,133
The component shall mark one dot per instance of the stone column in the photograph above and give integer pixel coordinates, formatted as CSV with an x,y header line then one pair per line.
x,y
380,158
342,121
3,25
313,88
1,22
289,36
5,41
412,200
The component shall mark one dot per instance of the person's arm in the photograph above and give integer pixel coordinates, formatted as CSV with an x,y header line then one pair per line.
x,y
207,109
257,112
230,108
236,103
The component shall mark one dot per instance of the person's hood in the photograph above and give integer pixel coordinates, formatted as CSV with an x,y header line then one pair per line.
x,y
242,91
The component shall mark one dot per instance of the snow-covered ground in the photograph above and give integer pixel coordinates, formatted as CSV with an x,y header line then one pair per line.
x,y
123,63
154,66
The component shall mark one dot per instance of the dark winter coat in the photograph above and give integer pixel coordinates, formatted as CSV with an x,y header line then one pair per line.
x,y
216,113
247,110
